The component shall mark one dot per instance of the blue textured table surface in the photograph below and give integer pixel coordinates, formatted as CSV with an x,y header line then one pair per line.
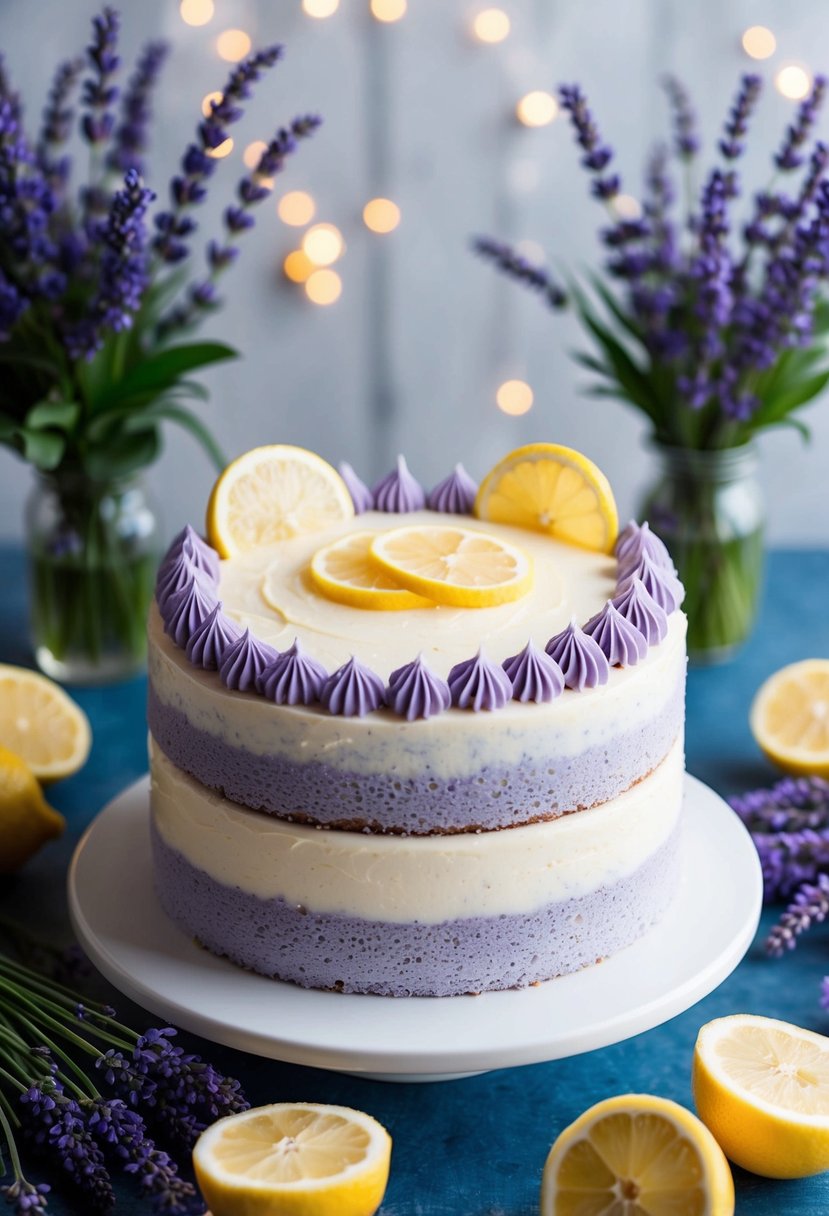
x,y
476,1147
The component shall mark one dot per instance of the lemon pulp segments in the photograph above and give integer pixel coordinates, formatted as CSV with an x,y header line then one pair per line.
x,y
636,1154
344,571
762,1086
790,717
554,489
271,494
41,724
294,1159
453,565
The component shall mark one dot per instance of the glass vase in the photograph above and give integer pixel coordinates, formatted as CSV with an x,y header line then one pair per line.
x,y
708,508
93,549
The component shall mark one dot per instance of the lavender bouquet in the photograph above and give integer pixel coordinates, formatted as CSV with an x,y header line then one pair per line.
x,y
83,1096
96,294
710,324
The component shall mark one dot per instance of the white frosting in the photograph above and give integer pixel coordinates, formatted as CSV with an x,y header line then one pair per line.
x,y
453,744
429,879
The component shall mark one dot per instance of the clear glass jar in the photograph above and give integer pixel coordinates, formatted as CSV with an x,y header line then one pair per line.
x,y
708,508
93,550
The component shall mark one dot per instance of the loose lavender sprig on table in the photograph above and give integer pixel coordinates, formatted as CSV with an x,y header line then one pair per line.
x,y
80,1090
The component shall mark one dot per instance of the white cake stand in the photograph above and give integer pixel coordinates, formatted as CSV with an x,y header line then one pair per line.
x,y
707,931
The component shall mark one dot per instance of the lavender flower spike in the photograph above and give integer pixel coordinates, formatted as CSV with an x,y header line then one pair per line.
x,y
597,156
537,278
99,91
24,1197
731,145
130,141
789,157
57,121
809,907
686,139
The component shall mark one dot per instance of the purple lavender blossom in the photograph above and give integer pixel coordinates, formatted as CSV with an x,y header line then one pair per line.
x,y
54,1121
121,1132
25,1197
597,155
99,91
792,804
686,140
536,277
58,117
810,906
789,156
130,142
736,127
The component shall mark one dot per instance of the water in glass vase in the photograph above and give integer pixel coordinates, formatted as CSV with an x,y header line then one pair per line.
x,y
93,551
708,508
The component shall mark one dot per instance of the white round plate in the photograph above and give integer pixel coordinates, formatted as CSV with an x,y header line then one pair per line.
x,y
708,929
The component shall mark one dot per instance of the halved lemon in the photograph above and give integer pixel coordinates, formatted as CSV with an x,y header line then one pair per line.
x,y
790,717
762,1087
639,1154
454,565
294,1159
41,724
344,571
26,819
271,494
554,489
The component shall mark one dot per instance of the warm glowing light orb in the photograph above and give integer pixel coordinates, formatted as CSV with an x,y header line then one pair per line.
x,y
320,8
514,397
381,215
253,153
759,42
297,266
296,208
323,244
536,109
221,150
793,82
196,12
531,250
207,103
388,10
491,25
324,287
627,207
233,45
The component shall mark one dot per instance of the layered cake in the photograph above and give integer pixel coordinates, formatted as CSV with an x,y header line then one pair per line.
x,y
413,744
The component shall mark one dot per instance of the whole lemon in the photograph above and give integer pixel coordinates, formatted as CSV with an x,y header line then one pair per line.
x,y
26,819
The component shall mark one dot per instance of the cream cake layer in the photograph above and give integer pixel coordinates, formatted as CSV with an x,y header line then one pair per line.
x,y
429,916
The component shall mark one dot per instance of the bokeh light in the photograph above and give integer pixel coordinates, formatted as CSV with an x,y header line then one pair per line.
x,y
320,8
491,25
324,287
207,103
323,244
196,12
296,208
381,215
536,109
531,250
297,266
221,150
388,10
233,45
253,153
793,82
627,207
759,42
514,397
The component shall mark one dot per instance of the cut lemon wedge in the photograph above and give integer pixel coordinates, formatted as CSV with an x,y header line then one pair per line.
x,y
762,1087
636,1155
271,494
345,572
294,1159
26,819
552,489
454,565
41,724
790,717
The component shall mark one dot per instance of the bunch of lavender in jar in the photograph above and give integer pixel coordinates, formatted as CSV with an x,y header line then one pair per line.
x,y
97,289
712,327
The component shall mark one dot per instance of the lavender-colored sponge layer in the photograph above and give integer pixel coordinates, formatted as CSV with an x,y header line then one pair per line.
x,y
493,798
287,942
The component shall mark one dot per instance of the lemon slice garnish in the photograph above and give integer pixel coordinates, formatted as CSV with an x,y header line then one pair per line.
x,y
552,489
294,1159
639,1154
790,717
344,571
41,724
762,1087
454,565
272,494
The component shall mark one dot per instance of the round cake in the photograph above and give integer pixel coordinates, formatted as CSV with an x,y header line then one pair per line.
x,y
432,800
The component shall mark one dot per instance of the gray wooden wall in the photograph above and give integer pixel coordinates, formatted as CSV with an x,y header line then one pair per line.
x,y
410,356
